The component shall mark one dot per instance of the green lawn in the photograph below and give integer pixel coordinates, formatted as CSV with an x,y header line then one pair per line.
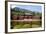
x,y
18,25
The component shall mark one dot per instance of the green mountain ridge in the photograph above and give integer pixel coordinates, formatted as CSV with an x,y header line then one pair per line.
x,y
20,11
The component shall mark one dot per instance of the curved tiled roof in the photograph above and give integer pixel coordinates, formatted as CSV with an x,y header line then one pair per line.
x,y
28,14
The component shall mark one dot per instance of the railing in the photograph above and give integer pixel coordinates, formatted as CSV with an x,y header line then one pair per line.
x,y
25,17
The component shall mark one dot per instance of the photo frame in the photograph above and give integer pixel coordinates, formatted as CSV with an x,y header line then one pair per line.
x,y
33,20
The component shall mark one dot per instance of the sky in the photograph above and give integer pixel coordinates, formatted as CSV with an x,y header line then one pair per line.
x,y
29,7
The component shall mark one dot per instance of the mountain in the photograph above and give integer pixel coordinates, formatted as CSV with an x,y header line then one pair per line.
x,y
20,9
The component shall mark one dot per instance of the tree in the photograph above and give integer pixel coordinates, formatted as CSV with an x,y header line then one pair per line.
x,y
33,13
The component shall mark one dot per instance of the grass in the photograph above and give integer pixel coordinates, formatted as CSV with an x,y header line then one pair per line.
x,y
18,25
